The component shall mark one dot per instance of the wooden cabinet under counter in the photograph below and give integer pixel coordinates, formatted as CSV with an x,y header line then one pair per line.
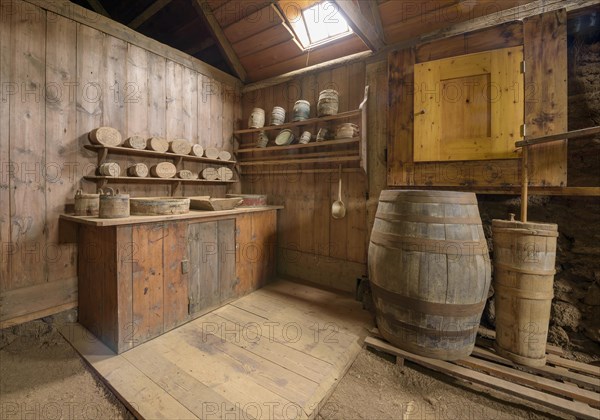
x,y
142,276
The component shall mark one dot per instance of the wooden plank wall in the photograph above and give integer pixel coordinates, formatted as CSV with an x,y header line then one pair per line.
x,y
312,245
60,79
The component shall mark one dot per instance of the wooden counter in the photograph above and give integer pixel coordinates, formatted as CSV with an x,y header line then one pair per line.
x,y
193,214
141,276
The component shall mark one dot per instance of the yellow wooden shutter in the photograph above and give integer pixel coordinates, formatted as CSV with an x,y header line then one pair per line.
x,y
469,107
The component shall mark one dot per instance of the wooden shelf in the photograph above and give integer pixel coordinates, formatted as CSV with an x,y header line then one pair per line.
x,y
138,180
175,183
345,154
340,116
152,154
276,148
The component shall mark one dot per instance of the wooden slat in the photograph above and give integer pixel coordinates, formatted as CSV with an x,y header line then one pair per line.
x,y
36,298
226,254
204,266
574,408
575,134
151,153
401,93
546,96
148,281
502,36
533,381
263,19
61,129
253,44
299,161
547,371
145,399
175,287
327,143
5,65
28,234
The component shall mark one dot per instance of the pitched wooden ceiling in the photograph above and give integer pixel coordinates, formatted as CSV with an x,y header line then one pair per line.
x,y
252,39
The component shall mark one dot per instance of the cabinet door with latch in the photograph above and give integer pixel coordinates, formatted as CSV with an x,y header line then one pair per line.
x,y
211,250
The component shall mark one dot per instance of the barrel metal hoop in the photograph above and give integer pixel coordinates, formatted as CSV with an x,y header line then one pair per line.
x,y
522,294
505,267
391,196
430,332
399,218
429,308
432,246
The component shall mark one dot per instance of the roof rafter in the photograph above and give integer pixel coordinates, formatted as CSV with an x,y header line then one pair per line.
x,y
150,11
98,8
204,10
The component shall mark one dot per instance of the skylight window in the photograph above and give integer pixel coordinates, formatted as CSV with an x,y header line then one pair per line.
x,y
323,22
318,24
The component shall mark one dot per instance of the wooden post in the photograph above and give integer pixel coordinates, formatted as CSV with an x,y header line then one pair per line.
x,y
524,185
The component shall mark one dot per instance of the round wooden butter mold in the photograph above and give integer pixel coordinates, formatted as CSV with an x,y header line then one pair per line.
x,y
105,136
163,170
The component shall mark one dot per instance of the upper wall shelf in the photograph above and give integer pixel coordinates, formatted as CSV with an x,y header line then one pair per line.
x,y
347,152
309,121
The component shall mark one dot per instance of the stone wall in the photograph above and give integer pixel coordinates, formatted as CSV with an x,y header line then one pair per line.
x,y
575,317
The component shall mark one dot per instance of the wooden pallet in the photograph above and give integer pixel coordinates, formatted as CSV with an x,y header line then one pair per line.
x,y
564,385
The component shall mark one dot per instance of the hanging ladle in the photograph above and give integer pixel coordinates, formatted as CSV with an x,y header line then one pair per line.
x,y
338,209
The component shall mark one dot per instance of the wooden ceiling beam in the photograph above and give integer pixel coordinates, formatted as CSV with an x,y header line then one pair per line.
x,y
369,8
150,11
98,8
204,10
198,48
360,25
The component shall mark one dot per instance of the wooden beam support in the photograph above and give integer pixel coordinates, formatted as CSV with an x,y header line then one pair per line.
x,y
150,11
201,46
204,10
98,8
574,134
370,8
360,25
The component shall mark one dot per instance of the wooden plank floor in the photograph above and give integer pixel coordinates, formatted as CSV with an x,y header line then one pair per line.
x,y
276,353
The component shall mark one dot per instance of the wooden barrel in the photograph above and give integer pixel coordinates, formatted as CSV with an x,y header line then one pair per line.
x,y
163,170
524,256
86,204
429,271
105,136
301,110
257,118
328,103
113,205
277,115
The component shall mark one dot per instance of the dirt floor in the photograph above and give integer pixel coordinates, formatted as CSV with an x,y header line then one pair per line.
x,y
42,377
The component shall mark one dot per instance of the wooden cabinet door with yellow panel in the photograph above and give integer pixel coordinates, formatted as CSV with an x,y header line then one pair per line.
x,y
469,107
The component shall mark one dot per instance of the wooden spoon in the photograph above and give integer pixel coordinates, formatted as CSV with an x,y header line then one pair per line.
x,y
338,209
